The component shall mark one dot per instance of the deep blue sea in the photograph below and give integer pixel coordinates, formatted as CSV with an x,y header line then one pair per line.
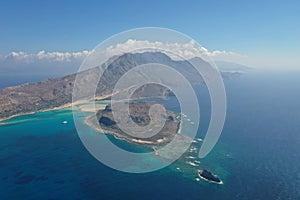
x,y
257,156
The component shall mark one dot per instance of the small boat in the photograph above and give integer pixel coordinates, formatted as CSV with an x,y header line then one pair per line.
x,y
192,164
178,169
197,161
191,157
191,150
208,176
65,122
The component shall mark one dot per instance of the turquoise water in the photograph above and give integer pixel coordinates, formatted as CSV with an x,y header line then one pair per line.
x,y
257,156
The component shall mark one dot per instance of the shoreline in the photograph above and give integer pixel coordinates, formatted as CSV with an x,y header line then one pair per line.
x,y
67,105
89,122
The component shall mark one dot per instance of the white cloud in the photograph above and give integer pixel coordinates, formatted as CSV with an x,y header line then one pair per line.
x,y
176,51
187,50
46,56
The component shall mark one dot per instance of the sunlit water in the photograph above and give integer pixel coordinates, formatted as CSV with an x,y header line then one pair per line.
x,y
257,156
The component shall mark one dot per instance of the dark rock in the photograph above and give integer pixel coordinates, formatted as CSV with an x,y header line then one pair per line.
x,y
209,176
106,121
171,118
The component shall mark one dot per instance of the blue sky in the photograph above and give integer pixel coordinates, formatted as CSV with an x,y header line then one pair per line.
x,y
264,31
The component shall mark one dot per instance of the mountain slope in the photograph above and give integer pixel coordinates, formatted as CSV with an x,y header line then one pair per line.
x,y
56,92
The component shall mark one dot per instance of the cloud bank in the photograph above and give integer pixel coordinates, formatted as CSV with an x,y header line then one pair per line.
x,y
47,56
19,67
187,50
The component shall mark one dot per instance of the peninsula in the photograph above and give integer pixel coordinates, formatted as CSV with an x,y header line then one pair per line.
x,y
57,92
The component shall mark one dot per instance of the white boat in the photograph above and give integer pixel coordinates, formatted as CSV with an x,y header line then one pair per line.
x,y
194,149
65,122
191,157
197,161
178,169
192,164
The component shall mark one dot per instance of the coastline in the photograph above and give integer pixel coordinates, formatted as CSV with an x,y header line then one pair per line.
x,y
90,121
64,106
68,105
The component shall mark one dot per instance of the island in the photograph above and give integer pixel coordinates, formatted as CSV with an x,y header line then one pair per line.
x,y
139,114
208,176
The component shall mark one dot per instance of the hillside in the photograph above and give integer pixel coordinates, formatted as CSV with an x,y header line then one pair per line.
x,y
51,93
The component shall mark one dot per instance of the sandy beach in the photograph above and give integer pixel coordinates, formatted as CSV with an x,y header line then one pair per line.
x,y
84,107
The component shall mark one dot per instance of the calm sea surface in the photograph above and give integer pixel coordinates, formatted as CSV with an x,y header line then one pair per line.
x,y
257,156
